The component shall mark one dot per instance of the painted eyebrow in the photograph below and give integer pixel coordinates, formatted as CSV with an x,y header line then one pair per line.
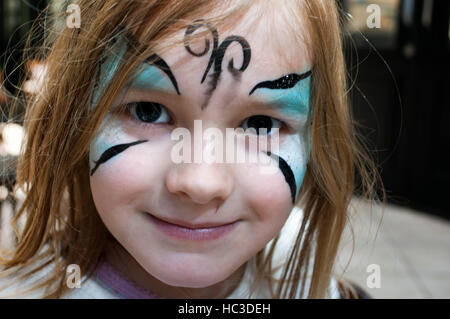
x,y
285,82
157,61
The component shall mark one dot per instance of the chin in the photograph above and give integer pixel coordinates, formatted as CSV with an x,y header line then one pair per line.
x,y
192,279
191,283
190,275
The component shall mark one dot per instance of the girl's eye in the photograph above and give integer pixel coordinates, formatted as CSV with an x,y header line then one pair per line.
x,y
149,112
261,122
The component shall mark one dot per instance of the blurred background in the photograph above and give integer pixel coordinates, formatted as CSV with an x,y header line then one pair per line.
x,y
401,100
400,95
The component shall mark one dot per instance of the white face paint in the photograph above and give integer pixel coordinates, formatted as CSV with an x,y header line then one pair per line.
x,y
109,134
293,103
294,150
140,193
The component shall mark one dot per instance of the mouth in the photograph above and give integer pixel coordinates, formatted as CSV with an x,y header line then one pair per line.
x,y
183,230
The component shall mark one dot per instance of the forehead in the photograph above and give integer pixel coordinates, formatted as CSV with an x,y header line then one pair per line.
x,y
220,63
276,35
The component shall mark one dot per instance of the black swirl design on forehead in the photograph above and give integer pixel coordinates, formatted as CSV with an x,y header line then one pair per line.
x,y
217,54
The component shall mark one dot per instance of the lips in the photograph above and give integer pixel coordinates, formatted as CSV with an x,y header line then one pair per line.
x,y
184,230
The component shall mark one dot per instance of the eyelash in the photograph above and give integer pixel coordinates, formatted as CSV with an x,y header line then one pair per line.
x,y
127,109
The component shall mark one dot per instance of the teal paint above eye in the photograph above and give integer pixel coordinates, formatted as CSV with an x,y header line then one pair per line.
x,y
292,102
150,77
146,77
109,64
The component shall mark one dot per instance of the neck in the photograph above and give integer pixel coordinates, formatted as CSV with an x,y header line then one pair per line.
x,y
124,263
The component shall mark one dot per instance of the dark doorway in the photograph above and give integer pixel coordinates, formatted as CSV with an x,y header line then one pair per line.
x,y
402,97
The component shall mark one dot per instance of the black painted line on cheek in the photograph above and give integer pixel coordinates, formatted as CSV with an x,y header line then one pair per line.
x,y
113,151
288,174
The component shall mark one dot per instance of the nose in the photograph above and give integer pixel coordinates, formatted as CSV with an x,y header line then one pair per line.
x,y
199,183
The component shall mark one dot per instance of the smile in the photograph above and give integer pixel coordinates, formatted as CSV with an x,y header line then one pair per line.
x,y
182,230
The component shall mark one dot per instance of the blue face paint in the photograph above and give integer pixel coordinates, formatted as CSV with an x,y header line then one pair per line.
x,y
150,77
292,101
108,135
155,76
107,69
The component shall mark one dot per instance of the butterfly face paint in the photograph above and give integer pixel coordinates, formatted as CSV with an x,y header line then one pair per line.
x,y
135,181
290,94
156,76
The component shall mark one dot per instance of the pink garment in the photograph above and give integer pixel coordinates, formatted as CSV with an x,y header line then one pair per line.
x,y
119,283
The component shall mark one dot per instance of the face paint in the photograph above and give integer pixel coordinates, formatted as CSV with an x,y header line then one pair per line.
x,y
157,76
217,55
113,151
292,100
109,133
292,161
154,76
288,174
143,180
191,29
289,94
285,82
108,66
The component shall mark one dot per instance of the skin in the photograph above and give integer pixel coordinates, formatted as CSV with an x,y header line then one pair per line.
x,y
142,179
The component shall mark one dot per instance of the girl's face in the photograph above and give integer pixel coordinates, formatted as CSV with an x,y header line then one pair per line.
x,y
193,224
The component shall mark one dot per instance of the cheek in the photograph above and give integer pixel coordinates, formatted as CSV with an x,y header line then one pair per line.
x,y
268,198
293,151
130,171
109,134
274,190
127,184
267,195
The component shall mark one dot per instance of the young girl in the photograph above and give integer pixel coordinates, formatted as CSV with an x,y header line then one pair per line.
x,y
106,195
